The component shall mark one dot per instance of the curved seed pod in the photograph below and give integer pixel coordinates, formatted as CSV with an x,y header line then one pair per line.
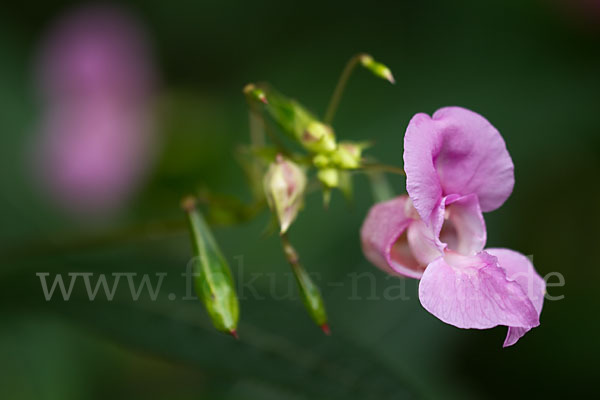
x,y
309,291
212,277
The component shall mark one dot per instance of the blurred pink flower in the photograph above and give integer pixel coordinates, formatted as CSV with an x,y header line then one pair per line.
x,y
96,81
456,166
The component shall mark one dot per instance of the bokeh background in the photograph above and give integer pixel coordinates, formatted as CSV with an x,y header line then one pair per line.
x,y
531,67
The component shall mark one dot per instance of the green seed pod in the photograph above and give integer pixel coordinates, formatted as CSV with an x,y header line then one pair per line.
x,y
212,277
377,68
310,293
299,124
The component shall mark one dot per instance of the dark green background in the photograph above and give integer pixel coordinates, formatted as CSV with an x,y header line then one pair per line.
x,y
531,67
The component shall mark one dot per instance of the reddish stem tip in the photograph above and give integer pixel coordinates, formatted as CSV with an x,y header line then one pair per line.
x,y
325,328
234,334
188,203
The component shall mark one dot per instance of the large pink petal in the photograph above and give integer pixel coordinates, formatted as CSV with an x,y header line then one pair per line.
x,y
456,151
474,292
421,143
383,237
520,269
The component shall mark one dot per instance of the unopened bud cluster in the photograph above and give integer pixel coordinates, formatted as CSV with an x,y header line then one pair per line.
x,y
284,182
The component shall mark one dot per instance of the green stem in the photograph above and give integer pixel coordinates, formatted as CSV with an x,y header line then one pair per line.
x,y
275,139
81,242
257,126
376,167
229,210
339,89
380,187
290,253
153,230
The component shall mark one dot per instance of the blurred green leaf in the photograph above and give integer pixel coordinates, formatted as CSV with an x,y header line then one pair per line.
x,y
315,370
284,355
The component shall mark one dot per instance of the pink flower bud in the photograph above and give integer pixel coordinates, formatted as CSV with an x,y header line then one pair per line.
x,y
284,185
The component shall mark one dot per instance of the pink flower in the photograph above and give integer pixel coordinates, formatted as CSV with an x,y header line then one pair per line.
x,y
96,140
457,166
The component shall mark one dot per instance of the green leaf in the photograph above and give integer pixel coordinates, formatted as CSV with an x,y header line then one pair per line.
x,y
314,366
276,351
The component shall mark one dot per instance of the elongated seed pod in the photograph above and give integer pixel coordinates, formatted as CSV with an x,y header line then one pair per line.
x,y
212,277
309,291
377,68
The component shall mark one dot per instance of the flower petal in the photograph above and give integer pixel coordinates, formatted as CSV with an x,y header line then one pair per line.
x,y
421,143
520,269
463,228
384,241
474,292
456,224
424,242
456,151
